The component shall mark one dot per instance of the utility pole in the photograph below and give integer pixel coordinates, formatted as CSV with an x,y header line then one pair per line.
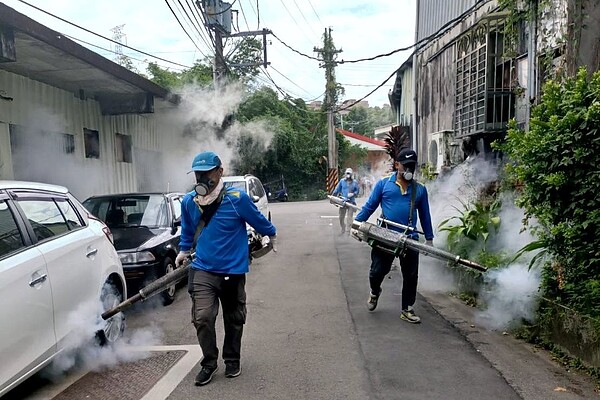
x,y
218,18
328,55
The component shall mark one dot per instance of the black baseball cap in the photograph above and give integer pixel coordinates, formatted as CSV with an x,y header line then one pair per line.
x,y
407,156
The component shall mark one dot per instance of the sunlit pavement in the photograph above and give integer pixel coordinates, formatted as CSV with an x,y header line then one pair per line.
x,y
310,336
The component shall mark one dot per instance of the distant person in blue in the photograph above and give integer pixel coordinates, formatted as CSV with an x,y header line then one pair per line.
x,y
218,215
401,197
348,189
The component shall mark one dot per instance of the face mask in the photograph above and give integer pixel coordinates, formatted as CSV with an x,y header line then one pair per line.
x,y
204,185
408,174
348,176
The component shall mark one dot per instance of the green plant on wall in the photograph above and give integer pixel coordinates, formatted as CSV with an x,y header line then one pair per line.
x,y
475,223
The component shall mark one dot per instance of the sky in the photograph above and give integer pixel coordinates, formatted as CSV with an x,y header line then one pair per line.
x,y
360,29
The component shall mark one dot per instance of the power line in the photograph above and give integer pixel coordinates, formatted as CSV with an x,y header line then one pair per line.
x,y
198,25
294,50
305,20
110,51
182,27
311,6
244,16
291,81
99,35
438,33
294,19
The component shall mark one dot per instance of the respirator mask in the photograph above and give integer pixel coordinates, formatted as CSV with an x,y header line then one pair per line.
x,y
204,185
409,172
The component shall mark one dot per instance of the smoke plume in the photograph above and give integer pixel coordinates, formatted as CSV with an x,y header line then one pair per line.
x,y
82,351
509,294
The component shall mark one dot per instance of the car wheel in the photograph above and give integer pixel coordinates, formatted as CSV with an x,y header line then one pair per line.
x,y
168,296
113,328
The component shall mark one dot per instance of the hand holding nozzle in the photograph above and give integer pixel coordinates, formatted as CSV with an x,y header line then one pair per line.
x,y
182,258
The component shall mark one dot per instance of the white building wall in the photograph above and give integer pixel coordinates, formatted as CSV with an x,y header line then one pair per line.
x,y
41,107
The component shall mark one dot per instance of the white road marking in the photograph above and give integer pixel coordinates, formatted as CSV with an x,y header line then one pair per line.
x,y
329,216
160,391
167,384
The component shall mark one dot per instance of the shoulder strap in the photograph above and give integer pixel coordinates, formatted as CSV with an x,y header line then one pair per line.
x,y
208,212
413,196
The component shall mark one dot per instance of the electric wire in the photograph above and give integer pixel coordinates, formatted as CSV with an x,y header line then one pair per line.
x,y
311,6
291,81
114,52
102,36
435,35
296,22
183,28
198,25
305,20
293,49
244,16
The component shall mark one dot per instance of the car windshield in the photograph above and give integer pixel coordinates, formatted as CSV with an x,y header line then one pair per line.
x,y
130,210
236,185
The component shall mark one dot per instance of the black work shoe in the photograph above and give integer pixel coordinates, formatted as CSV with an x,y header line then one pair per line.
x,y
372,302
233,369
409,315
205,375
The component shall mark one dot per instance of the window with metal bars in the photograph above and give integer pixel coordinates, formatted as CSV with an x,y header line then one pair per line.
x,y
485,82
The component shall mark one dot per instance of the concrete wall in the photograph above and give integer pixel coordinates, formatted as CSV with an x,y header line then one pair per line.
x,y
38,107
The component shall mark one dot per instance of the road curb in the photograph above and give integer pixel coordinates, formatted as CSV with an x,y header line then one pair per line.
x,y
530,371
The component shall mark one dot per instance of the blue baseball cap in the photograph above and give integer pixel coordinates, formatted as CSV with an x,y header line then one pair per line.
x,y
206,161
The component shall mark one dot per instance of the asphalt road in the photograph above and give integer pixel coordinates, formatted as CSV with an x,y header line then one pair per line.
x,y
309,334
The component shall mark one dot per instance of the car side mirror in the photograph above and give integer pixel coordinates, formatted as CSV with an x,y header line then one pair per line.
x,y
255,198
176,224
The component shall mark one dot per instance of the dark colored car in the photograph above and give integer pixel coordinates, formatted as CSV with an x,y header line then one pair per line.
x,y
146,234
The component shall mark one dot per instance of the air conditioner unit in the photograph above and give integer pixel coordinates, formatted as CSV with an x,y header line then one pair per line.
x,y
443,151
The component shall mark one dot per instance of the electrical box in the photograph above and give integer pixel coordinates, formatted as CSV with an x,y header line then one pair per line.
x,y
218,15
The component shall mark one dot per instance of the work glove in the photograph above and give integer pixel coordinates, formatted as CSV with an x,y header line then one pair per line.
x,y
350,195
181,258
274,242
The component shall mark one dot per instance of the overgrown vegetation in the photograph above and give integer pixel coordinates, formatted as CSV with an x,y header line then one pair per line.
x,y
299,144
555,166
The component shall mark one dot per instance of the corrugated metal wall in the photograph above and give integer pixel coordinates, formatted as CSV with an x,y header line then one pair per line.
x,y
39,106
433,14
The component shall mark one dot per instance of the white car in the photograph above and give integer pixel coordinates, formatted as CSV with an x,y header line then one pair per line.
x,y
254,188
54,258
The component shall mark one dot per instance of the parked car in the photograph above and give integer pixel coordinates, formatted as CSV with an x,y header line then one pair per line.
x,y
146,234
276,190
254,188
54,257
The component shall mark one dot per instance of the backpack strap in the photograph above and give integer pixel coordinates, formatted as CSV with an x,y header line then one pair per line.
x,y
207,213
413,196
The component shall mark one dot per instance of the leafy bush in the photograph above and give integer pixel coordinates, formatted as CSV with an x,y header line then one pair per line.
x,y
555,166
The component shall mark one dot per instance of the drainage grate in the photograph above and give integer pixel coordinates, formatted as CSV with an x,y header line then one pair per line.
x,y
129,381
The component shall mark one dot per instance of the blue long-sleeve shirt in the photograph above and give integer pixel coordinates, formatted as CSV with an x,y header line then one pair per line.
x,y
346,187
395,204
222,246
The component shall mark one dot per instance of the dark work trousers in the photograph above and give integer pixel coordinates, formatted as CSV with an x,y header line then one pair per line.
x,y
346,214
206,290
381,263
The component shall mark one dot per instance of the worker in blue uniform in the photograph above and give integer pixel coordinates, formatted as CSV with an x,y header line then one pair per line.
x,y
401,197
217,216
348,189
